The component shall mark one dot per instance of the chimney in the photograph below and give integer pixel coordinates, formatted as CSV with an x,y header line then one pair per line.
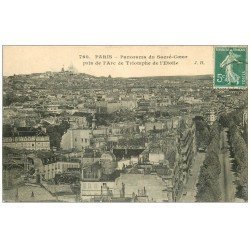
x,y
44,129
123,190
14,130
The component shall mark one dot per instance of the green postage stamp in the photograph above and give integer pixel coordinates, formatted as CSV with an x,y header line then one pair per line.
x,y
230,69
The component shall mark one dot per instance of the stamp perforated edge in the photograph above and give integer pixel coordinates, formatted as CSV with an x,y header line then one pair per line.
x,y
233,87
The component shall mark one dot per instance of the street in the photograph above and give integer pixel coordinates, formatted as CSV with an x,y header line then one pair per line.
x,y
226,176
190,186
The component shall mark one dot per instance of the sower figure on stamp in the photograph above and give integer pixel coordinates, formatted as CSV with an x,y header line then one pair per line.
x,y
231,76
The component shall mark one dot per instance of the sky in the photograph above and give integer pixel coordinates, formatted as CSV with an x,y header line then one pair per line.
x,y
38,59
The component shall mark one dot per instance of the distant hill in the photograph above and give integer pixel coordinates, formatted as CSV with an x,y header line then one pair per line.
x,y
188,78
68,79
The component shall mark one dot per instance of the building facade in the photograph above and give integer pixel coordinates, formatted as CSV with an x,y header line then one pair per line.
x,y
27,138
48,171
76,139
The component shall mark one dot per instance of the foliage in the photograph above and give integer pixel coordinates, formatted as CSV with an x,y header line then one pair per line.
x,y
238,150
202,133
56,132
8,99
208,188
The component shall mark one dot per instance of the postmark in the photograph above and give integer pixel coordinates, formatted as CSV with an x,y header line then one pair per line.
x,y
230,67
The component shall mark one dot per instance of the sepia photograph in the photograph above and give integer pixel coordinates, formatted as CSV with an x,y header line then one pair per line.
x,y
142,124
124,125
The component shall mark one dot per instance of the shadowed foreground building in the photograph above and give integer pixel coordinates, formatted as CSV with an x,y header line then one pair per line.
x,y
129,187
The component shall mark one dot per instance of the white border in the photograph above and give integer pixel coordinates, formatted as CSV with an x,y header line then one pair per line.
x,y
124,226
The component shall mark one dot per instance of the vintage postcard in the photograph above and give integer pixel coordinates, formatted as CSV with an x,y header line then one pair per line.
x,y
125,124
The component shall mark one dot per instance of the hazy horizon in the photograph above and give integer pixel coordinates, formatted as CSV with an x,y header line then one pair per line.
x,y
21,74
39,59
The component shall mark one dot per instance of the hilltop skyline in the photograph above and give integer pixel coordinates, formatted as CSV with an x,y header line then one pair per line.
x,y
39,59
174,77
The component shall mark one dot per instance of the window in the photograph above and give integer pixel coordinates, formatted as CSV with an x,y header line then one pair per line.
x,y
75,139
82,139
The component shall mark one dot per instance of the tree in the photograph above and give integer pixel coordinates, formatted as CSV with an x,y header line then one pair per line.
x,y
56,132
238,149
202,133
208,188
